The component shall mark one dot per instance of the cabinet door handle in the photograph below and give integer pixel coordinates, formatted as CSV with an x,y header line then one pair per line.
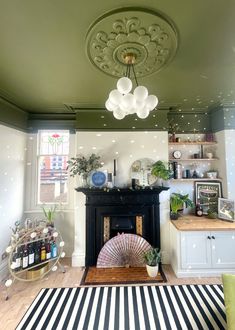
x,y
213,237
208,237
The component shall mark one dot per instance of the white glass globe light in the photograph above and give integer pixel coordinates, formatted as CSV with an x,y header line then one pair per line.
x,y
110,106
151,102
132,111
54,269
124,85
119,114
139,105
62,254
62,243
115,97
143,113
128,100
140,93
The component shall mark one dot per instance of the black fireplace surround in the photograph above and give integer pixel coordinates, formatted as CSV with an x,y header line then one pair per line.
x,y
122,207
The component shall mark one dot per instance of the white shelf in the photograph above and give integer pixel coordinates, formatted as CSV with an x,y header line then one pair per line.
x,y
192,159
197,179
203,143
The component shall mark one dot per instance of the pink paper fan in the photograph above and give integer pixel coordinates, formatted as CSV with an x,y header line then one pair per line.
x,y
123,250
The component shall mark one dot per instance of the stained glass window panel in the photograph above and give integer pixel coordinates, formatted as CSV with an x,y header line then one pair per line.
x,y
54,143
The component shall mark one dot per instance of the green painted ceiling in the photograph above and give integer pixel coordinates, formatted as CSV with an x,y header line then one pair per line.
x,y
43,61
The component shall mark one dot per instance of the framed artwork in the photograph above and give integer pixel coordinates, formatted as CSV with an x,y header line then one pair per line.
x,y
207,195
98,178
226,209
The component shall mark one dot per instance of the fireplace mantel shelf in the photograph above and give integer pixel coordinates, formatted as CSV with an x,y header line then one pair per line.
x,y
116,190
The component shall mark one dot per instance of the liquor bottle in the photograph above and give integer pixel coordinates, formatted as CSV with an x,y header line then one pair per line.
x,y
53,249
25,260
17,260
198,210
37,256
31,255
43,251
48,250
21,256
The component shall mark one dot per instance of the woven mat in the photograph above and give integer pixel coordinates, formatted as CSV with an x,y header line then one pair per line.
x,y
120,275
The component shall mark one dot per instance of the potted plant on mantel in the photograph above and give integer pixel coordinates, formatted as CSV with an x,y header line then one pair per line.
x,y
161,171
177,203
152,258
83,166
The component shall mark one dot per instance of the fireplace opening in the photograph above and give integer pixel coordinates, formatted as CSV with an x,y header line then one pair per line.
x,y
122,224
118,224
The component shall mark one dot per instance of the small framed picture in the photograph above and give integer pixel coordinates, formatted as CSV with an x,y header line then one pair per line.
x,y
226,209
99,178
207,194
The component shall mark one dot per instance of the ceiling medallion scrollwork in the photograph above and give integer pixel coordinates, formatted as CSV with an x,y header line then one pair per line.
x,y
144,33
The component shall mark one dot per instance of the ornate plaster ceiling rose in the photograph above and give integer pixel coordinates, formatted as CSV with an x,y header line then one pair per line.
x,y
146,34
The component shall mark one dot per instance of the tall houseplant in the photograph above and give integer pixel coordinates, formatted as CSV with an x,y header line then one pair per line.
x,y
81,165
161,171
177,203
152,258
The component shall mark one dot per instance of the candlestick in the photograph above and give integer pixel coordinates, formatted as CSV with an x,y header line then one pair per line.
x,y
114,167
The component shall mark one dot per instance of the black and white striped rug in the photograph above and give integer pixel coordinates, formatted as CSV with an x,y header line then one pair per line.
x,y
137,307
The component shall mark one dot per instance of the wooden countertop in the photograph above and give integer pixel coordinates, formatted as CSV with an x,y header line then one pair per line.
x,y
194,223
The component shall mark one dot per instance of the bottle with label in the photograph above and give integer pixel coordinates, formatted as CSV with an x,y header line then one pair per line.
x,y
25,260
37,256
198,210
17,258
31,255
48,250
43,251
53,249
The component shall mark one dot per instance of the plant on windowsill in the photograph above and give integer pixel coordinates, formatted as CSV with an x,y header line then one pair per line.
x,y
81,165
50,214
177,203
161,171
152,258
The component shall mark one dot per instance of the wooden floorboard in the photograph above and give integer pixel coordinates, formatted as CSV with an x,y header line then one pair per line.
x,y
22,294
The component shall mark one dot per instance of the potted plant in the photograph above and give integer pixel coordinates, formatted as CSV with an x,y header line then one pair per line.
x,y
50,214
152,258
83,166
161,171
177,203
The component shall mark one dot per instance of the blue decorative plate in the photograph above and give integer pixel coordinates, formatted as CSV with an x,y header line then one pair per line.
x,y
98,178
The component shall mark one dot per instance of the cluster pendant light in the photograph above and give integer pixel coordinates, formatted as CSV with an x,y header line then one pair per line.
x,y
122,102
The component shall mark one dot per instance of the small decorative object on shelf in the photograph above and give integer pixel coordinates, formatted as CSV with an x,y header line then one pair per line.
x,y
198,210
33,253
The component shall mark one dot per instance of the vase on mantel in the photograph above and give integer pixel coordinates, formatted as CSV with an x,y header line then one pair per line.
x,y
84,180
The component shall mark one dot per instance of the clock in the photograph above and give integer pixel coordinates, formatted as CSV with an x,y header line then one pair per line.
x,y
177,154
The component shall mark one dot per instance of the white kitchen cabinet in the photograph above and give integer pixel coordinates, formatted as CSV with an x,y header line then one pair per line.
x,y
202,253
195,250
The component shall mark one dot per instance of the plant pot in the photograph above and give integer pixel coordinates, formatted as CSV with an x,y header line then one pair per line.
x,y
152,270
174,216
